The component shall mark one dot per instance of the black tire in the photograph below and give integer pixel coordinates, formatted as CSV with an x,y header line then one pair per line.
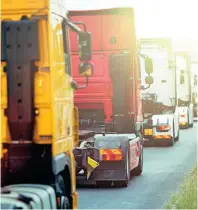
x,y
177,138
171,142
188,125
191,125
127,170
65,203
173,139
63,194
138,170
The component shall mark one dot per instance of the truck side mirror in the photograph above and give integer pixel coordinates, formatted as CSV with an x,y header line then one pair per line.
x,y
84,46
148,65
86,69
149,80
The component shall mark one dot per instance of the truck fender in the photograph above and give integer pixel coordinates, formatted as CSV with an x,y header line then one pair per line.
x,y
59,162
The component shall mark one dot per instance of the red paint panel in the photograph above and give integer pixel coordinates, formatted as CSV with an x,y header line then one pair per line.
x,y
96,90
93,24
127,37
110,30
120,27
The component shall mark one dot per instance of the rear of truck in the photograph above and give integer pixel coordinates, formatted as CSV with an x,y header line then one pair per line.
x,y
113,96
159,100
194,85
184,89
38,116
111,103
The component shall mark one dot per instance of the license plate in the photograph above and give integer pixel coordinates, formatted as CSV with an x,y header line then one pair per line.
x,y
148,132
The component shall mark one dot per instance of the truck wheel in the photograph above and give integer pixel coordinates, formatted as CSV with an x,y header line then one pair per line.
x,y
177,138
171,142
191,125
138,170
62,194
127,170
188,123
64,203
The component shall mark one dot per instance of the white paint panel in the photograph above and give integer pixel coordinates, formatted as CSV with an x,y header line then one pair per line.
x,y
165,90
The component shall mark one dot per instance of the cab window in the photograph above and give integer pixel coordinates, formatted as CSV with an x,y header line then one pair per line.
x,y
66,47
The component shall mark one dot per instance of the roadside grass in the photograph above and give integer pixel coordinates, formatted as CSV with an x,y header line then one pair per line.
x,y
186,198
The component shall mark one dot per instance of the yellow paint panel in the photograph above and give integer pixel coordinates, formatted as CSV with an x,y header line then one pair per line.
x,y
43,122
3,88
4,134
5,137
42,89
23,4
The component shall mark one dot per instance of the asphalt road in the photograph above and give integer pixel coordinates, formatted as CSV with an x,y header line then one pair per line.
x,y
164,170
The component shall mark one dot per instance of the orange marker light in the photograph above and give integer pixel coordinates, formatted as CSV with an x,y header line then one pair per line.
x,y
111,154
164,127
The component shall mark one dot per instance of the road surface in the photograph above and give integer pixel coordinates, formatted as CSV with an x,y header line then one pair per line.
x,y
164,170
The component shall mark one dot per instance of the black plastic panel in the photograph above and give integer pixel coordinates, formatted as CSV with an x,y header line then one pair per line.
x,y
120,71
20,50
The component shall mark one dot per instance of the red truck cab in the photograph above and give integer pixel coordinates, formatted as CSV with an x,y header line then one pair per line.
x,y
112,99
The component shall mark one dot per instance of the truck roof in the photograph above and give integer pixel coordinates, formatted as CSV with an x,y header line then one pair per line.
x,y
115,10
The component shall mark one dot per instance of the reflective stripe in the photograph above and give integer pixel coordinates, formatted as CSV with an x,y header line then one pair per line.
x,y
163,137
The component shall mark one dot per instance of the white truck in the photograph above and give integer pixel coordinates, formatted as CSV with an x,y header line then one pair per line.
x,y
183,84
161,121
194,86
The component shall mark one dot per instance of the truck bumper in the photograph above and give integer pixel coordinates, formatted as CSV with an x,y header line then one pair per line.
x,y
148,135
148,140
106,171
110,171
183,125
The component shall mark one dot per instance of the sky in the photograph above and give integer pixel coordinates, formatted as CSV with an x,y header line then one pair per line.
x,y
178,19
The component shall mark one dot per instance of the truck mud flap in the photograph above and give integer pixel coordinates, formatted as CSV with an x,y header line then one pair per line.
x,y
33,196
82,156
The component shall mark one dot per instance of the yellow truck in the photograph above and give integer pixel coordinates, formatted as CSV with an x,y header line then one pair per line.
x,y
39,122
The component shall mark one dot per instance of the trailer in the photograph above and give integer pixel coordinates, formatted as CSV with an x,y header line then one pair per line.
x,y
159,100
184,92
110,107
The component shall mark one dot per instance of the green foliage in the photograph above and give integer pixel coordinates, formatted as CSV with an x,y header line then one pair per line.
x,y
187,196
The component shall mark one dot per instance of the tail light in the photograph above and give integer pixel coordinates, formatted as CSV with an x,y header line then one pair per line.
x,y
163,128
182,115
111,154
